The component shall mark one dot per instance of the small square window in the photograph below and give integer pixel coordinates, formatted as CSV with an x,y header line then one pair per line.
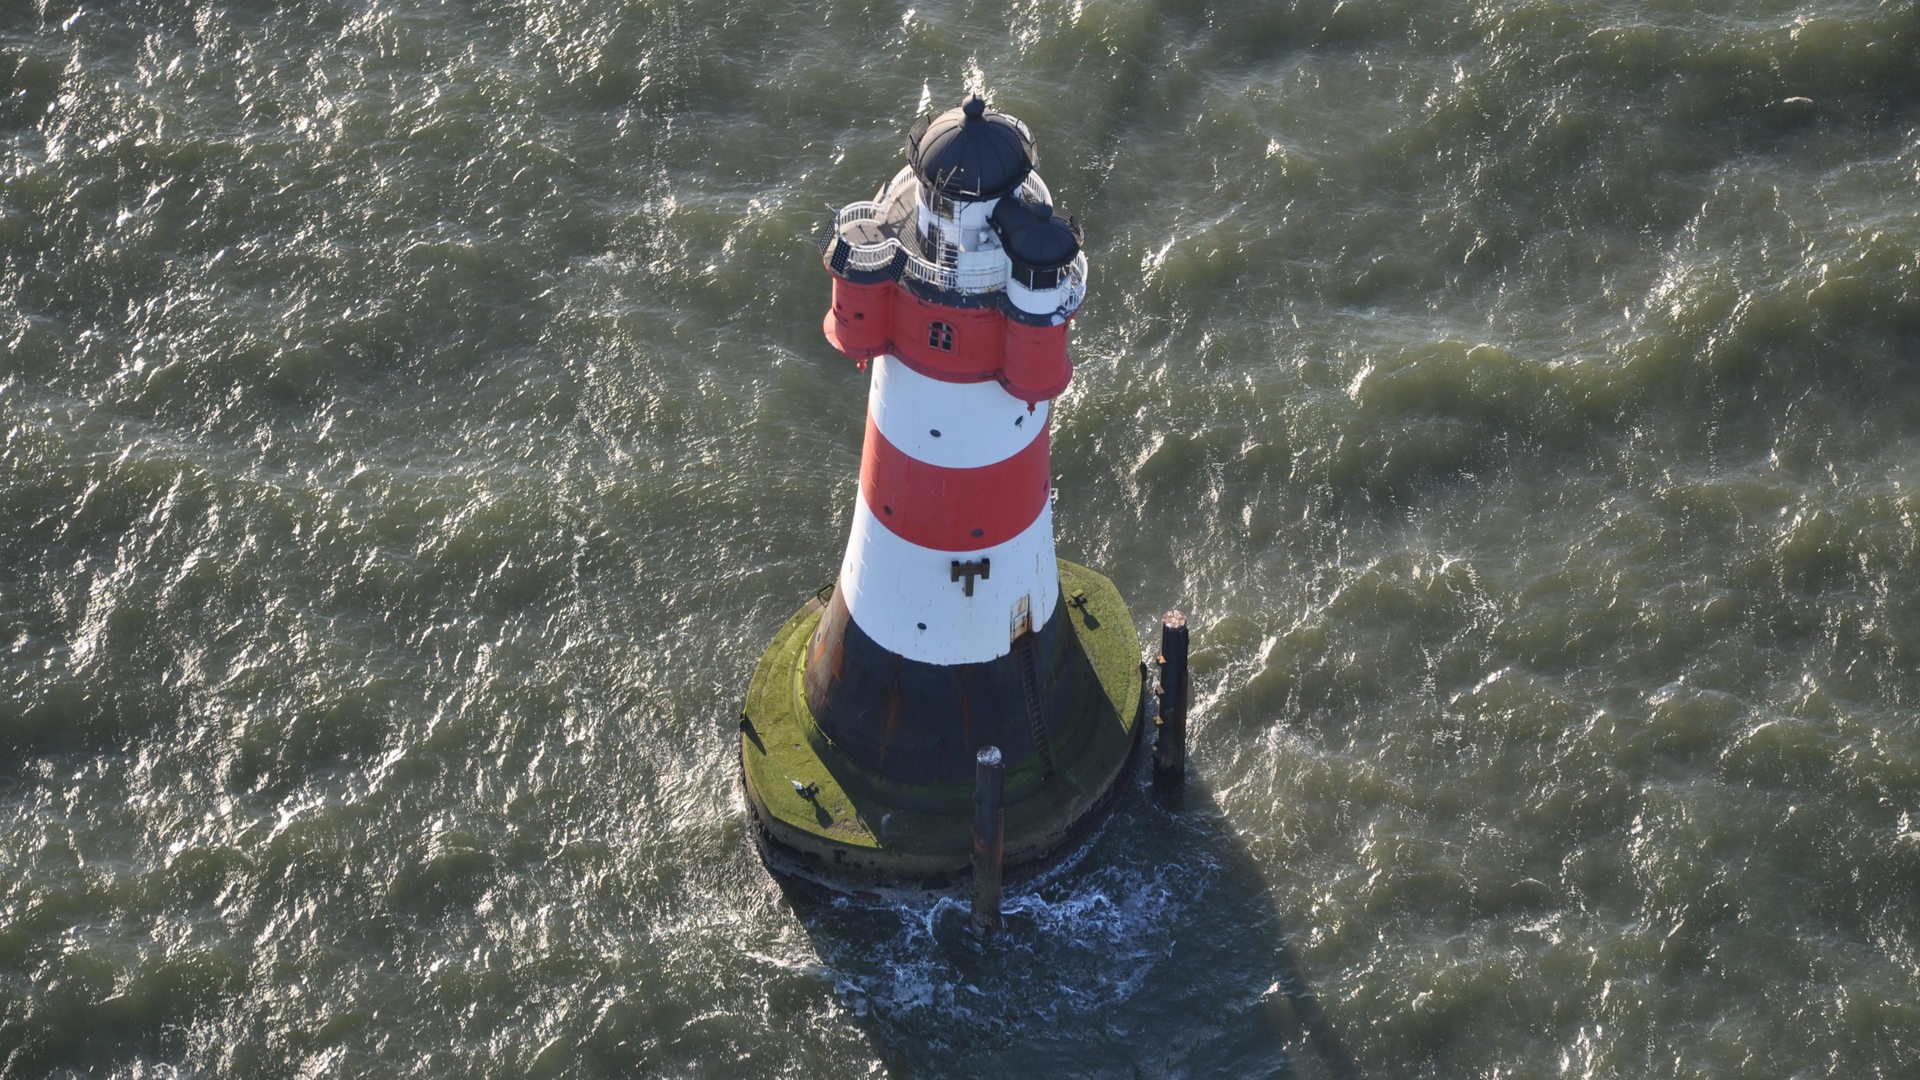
x,y
940,336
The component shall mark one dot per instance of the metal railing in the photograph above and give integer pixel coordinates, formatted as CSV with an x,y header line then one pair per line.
x,y
1075,278
894,256
903,263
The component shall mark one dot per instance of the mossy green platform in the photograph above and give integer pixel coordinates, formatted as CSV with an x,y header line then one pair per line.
x,y
856,828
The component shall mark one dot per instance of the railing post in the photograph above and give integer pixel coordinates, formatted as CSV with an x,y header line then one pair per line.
x,y
989,840
1170,747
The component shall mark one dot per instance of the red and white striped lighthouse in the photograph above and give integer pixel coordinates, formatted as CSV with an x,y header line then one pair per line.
x,y
948,630
957,282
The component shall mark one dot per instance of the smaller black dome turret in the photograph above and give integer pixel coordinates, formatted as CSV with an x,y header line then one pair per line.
x,y
971,153
1035,237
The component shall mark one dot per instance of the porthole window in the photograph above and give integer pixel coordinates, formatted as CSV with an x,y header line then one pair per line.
x,y
940,336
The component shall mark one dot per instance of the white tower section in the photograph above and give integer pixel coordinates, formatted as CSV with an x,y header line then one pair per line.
x,y
954,439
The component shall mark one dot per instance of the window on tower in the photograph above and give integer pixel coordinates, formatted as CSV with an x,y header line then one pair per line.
x,y
940,336
1037,279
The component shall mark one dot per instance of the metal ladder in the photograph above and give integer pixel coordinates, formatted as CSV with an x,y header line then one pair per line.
x,y
1030,683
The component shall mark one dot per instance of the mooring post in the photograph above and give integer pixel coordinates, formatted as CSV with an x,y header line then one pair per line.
x,y
989,840
1170,745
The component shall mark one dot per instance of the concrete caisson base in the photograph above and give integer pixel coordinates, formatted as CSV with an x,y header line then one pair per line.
x,y
849,827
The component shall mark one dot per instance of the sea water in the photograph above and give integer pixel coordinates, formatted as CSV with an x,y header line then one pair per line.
x,y
414,424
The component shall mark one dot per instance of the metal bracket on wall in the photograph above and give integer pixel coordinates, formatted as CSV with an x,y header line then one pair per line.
x,y
977,568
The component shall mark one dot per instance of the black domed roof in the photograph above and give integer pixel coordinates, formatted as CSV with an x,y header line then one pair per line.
x,y
1035,236
970,152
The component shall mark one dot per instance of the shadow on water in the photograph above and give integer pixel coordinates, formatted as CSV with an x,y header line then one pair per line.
x,y
1154,949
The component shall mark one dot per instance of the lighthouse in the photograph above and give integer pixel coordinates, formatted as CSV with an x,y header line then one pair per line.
x,y
952,626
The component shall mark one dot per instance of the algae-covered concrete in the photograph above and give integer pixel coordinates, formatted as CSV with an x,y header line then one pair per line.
x,y
821,816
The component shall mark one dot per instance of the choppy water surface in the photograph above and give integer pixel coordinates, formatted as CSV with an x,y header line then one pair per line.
x,y
416,423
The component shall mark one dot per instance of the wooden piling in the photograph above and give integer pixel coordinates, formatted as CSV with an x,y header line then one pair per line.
x,y
989,839
1170,745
